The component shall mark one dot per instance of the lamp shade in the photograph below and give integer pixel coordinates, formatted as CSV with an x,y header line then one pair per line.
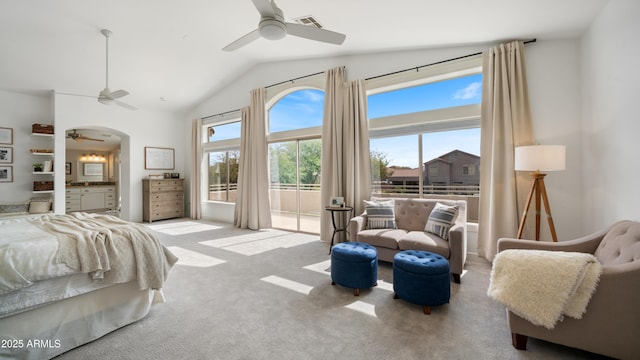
x,y
540,158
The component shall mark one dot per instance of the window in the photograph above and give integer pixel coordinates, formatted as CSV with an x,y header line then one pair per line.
x,y
223,175
425,133
468,169
298,110
221,144
223,132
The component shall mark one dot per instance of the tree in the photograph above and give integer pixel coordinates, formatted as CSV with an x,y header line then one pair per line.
x,y
310,161
283,162
379,166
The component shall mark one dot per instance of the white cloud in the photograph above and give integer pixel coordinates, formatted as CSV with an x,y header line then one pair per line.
x,y
307,95
313,96
471,91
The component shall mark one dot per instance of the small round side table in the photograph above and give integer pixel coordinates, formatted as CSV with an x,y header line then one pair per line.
x,y
336,229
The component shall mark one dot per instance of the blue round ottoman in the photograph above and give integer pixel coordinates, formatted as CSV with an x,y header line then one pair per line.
x,y
354,265
422,278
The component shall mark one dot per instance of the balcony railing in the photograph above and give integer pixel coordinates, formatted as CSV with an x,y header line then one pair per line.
x,y
284,196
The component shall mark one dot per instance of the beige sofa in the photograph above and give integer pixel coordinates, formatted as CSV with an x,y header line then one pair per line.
x,y
611,324
411,217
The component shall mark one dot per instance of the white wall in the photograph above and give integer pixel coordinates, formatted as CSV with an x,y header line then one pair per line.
x,y
136,128
611,122
553,74
19,112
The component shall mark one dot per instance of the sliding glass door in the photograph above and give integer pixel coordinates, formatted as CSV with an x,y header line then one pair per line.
x,y
295,184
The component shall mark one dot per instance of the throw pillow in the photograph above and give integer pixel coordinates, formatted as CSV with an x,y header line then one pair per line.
x,y
39,207
441,219
380,214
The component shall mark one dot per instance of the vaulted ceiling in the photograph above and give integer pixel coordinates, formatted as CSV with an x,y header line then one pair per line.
x,y
168,55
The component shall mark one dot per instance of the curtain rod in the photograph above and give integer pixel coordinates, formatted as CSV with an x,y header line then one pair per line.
x,y
266,87
219,114
435,63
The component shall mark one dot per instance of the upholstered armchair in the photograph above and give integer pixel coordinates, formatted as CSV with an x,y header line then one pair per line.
x,y
611,324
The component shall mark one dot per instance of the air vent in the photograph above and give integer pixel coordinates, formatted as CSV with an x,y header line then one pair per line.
x,y
308,20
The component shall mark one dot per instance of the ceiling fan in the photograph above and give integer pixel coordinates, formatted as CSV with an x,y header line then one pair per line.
x,y
106,96
273,27
75,135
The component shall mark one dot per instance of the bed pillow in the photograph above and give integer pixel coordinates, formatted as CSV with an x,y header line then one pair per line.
x,y
380,214
14,209
441,219
39,206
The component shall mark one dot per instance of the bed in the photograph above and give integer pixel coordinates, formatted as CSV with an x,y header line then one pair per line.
x,y
66,280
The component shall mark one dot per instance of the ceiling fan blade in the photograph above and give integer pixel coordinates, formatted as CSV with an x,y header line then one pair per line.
x,y
125,105
264,7
117,94
252,36
88,139
313,33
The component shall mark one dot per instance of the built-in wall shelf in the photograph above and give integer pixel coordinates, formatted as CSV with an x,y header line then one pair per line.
x,y
39,134
41,186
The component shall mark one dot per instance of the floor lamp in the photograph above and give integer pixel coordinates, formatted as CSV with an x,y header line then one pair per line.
x,y
539,158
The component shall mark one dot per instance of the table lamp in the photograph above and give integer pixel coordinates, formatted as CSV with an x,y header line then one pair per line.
x,y
537,158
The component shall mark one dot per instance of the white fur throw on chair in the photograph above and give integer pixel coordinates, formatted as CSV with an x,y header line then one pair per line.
x,y
542,286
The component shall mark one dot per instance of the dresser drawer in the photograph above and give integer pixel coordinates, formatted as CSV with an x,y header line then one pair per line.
x,y
164,188
169,205
166,213
172,195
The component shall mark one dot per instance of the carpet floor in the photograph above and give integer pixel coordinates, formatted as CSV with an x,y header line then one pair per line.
x,y
238,294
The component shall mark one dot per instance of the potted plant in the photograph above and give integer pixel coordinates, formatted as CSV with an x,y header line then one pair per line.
x,y
37,167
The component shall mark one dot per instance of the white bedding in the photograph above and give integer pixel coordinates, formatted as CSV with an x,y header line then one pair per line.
x,y
102,249
27,254
64,325
47,291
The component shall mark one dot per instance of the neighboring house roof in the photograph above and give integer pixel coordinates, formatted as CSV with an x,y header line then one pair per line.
x,y
444,157
405,173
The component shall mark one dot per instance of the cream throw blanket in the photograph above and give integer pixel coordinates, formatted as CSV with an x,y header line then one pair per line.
x,y
542,286
109,248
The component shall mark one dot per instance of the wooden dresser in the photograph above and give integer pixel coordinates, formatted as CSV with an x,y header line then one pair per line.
x,y
162,199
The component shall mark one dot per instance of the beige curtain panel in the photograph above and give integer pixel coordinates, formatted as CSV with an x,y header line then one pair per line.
x,y
332,141
346,167
195,181
253,210
357,162
506,123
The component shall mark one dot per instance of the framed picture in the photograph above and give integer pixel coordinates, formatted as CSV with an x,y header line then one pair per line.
x,y
67,168
337,201
6,136
6,155
159,158
6,174
93,169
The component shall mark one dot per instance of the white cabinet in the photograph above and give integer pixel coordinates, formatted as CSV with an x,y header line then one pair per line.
x,y
88,198
72,199
91,200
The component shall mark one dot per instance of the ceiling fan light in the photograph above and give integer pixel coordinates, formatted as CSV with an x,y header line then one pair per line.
x,y
272,29
106,101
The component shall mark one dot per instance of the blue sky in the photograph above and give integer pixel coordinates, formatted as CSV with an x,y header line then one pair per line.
x,y
304,108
